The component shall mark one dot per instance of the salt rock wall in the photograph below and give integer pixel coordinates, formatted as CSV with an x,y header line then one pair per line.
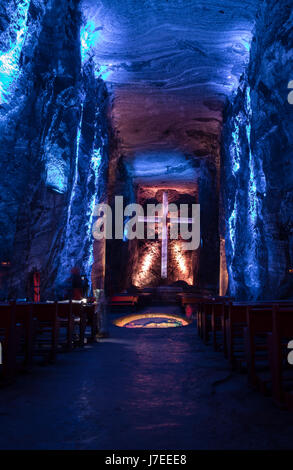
x,y
120,254
53,143
257,164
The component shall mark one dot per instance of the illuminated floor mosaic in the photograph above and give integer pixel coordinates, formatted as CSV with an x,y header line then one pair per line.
x,y
151,320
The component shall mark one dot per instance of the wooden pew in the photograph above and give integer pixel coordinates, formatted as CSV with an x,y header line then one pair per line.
x,y
9,338
72,317
206,320
48,328
225,319
190,299
124,301
91,316
214,318
24,316
281,370
218,325
224,330
195,303
80,319
259,324
234,325
66,320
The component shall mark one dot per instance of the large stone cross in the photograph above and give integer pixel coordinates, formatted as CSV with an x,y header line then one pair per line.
x,y
165,220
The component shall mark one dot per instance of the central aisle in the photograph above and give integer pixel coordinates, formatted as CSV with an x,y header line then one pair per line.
x,y
140,389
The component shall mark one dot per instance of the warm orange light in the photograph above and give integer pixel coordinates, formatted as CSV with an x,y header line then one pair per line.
x,y
157,320
182,264
141,277
147,262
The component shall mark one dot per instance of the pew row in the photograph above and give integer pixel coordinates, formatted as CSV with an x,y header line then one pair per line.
x,y
281,369
31,330
254,337
118,302
9,341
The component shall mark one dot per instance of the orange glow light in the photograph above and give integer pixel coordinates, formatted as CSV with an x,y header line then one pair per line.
x,y
151,320
143,275
181,260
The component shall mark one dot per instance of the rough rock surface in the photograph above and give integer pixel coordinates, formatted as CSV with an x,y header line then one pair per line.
x,y
53,142
170,66
257,163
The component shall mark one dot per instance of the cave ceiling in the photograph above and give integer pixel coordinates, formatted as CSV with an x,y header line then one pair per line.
x,y
169,66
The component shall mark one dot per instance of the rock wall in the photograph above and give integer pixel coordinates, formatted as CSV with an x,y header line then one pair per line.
x,y
53,143
120,254
257,182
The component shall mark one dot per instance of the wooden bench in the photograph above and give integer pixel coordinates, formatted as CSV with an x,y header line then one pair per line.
x,y
72,316
10,340
281,370
80,319
205,320
48,328
124,301
191,304
218,326
91,316
234,325
259,324
200,320
213,317
24,316
189,299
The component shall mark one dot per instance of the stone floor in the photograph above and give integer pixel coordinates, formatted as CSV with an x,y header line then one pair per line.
x,y
140,389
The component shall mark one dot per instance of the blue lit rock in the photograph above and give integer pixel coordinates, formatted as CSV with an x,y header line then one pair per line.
x,y
169,81
257,164
53,143
170,65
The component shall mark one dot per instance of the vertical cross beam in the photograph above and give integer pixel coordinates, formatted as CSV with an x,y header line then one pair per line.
x,y
165,220
164,254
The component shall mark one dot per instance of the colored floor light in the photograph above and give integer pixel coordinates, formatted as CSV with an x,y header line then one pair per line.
x,y
151,320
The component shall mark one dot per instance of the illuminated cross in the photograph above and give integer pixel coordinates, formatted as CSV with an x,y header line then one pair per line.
x,y
165,220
